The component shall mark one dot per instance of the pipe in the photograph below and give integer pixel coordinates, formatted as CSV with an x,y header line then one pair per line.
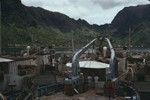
x,y
75,60
113,61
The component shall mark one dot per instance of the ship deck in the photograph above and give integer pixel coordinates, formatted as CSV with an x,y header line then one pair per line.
x,y
89,95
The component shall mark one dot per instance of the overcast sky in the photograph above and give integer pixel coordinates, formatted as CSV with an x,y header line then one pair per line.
x,y
94,11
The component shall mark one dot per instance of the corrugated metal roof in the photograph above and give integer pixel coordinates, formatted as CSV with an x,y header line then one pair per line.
x,y
90,64
5,60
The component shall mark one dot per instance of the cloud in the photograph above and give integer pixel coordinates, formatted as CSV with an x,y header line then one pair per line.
x,y
35,3
107,4
94,11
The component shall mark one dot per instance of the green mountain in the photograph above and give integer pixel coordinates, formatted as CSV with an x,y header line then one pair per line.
x,y
137,20
22,25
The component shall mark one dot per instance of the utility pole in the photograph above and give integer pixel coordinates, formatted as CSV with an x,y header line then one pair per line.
x,y
72,40
129,41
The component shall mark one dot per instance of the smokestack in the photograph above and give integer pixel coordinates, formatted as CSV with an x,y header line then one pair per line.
x,y
28,49
104,52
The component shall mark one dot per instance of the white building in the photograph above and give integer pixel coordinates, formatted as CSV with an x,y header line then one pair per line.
x,y
14,70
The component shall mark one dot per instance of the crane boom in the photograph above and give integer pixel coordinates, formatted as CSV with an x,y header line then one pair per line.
x,y
113,67
75,60
113,61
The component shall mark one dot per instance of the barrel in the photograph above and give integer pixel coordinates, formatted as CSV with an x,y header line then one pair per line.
x,y
68,87
68,90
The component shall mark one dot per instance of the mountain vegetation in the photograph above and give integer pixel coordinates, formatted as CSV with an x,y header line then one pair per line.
x,y
133,21
22,26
